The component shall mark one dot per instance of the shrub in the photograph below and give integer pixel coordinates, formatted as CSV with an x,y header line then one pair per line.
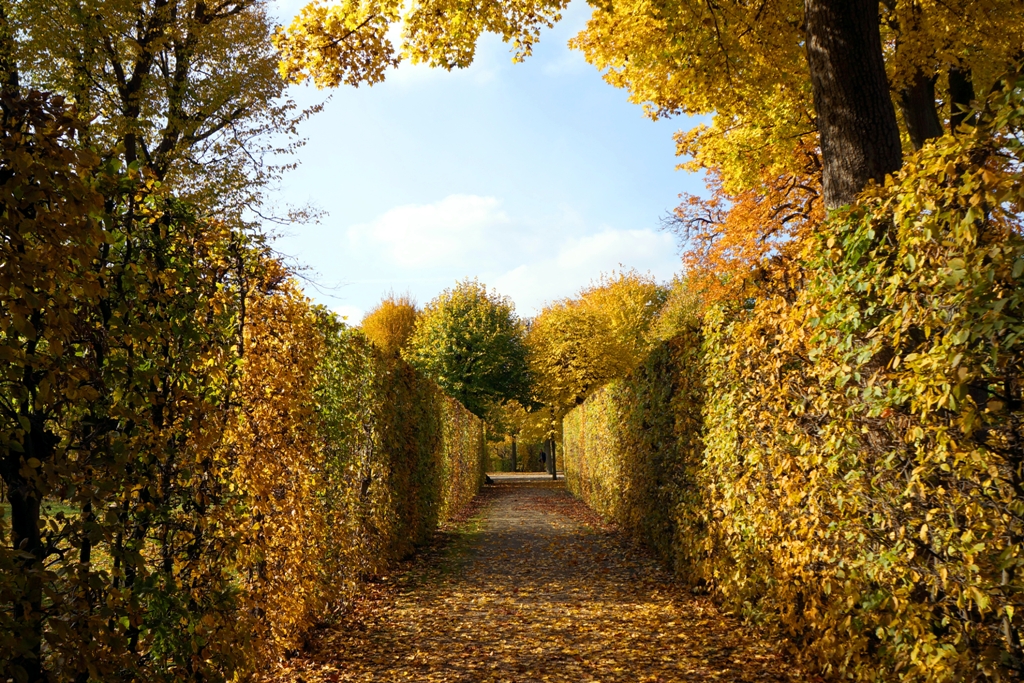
x,y
854,479
200,465
390,323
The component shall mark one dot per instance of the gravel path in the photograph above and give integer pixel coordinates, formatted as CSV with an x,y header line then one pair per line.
x,y
534,589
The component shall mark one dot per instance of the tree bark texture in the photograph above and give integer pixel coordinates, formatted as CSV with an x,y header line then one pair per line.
x,y
961,93
25,498
917,102
860,138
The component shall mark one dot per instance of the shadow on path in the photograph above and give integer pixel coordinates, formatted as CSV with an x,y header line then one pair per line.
x,y
535,590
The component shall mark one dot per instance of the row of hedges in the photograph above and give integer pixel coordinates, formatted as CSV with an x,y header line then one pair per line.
x,y
628,449
842,459
198,464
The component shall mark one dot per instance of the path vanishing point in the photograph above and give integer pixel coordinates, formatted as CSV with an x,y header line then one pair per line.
x,y
534,588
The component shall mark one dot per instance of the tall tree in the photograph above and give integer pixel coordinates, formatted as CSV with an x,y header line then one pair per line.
x,y
188,89
860,140
471,342
50,238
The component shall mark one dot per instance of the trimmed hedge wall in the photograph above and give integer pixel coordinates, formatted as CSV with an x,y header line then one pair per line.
x,y
841,460
198,464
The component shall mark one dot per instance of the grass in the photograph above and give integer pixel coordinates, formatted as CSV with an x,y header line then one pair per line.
x,y
50,509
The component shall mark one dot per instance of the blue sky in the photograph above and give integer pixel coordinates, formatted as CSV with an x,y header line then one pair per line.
x,y
533,177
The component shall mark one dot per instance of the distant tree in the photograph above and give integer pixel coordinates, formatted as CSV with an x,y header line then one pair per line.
x,y
571,354
577,345
390,324
629,301
472,343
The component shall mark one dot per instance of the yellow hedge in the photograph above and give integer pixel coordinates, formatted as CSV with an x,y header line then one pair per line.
x,y
590,457
198,464
841,459
350,459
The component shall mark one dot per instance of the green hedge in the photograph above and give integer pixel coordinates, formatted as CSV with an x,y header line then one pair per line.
x,y
631,450
841,460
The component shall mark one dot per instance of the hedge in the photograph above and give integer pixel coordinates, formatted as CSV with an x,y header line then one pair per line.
x,y
840,459
199,465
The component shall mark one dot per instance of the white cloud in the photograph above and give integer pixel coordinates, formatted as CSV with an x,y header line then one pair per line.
x,y
437,234
351,314
422,248
578,261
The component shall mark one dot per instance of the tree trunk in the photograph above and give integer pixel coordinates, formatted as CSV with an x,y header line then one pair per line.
x,y
25,498
514,467
961,93
28,611
9,86
917,102
552,465
860,139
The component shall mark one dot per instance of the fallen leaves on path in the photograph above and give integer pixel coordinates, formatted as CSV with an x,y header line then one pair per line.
x,y
536,590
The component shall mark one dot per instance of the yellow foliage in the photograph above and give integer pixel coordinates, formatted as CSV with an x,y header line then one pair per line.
x,y
390,323
742,63
187,89
732,240
838,460
527,428
348,43
200,465
682,305
745,65
577,345
344,43
279,463
350,458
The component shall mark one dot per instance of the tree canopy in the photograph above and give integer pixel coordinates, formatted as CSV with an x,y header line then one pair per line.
x,y
390,323
774,74
188,90
471,342
579,344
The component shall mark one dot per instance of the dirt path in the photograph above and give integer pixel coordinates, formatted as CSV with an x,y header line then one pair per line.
x,y
531,592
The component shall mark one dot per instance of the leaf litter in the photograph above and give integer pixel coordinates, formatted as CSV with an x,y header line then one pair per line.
x,y
533,587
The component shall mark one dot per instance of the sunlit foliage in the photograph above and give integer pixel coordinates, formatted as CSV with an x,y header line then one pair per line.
x,y
390,323
742,63
838,460
579,344
199,464
745,63
348,42
733,243
527,426
471,342
683,303
187,89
